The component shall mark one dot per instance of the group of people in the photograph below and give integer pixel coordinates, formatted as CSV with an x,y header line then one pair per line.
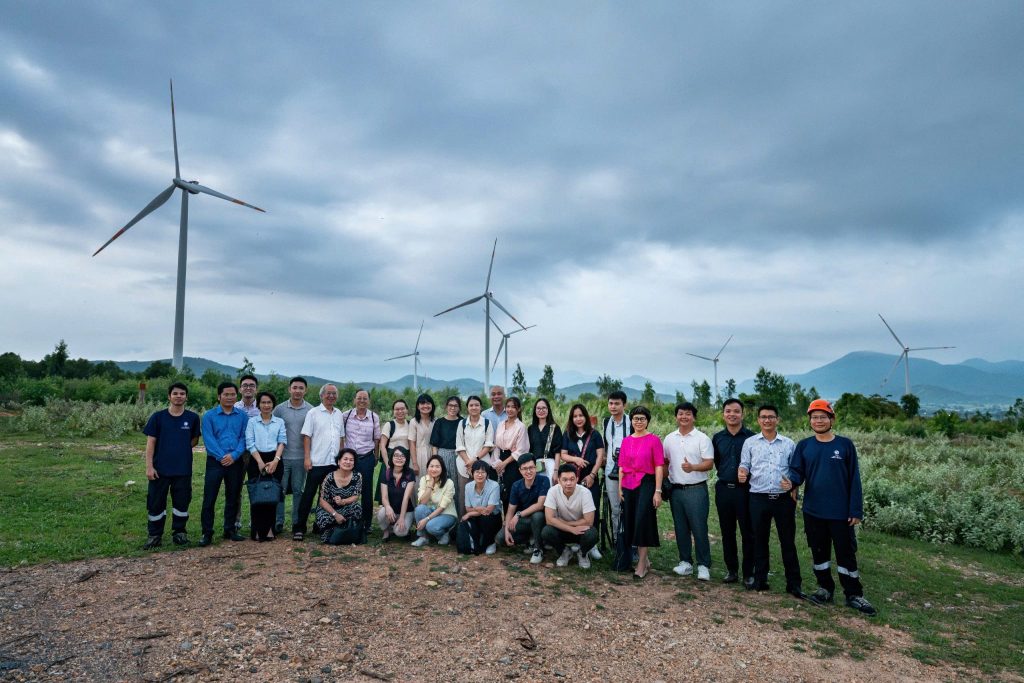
x,y
487,479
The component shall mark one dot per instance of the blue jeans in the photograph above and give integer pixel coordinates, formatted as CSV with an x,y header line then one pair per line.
x,y
690,508
293,480
438,526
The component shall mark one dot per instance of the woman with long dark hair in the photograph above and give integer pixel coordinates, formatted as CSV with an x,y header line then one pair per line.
x,y
545,438
443,439
583,447
395,515
435,509
510,441
421,426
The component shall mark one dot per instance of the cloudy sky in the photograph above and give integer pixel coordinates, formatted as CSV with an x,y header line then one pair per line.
x,y
658,176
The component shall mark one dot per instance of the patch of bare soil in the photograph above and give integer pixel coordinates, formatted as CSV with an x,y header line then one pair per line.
x,y
286,611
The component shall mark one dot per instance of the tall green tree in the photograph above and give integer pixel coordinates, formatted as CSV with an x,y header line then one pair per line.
x,y
546,386
247,367
730,388
519,382
606,385
910,405
10,366
56,361
649,396
772,387
701,394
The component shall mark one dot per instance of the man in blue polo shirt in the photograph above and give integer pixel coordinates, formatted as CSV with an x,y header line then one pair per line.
x,y
224,438
826,464
524,521
171,434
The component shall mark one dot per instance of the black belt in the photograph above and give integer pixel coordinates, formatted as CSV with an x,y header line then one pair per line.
x,y
368,454
772,496
733,484
689,486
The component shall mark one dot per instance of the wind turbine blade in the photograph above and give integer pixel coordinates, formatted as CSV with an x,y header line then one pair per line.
x,y
498,354
174,132
487,287
703,357
206,190
157,202
397,357
524,329
495,302
902,345
931,348
464,303
893,368
723,347
417,347
496,326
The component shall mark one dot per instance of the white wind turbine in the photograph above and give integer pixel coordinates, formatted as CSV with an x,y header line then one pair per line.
x,y
715,362
504,345
187,187
905,357
415,360
488,298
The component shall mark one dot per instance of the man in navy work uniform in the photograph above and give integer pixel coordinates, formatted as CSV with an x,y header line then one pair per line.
x,y
764,460
171,434
224,438
826,464
732,499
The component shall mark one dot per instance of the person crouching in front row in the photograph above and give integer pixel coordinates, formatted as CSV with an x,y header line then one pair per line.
x,y
569,514
435,511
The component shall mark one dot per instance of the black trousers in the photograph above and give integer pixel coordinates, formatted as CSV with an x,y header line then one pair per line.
x,y
558,539
231,476
764,508
310,492
180,489
532,524
366,465
822,536
261,517
733,504
508,477
483,530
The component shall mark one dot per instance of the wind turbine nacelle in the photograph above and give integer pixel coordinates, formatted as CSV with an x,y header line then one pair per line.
x,y
192,187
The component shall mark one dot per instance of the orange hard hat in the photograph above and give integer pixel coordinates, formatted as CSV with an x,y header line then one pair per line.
x,y
820,404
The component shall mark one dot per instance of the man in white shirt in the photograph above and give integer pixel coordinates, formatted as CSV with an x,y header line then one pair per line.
x,y
616,428
689,454
496,413
569,514
323,437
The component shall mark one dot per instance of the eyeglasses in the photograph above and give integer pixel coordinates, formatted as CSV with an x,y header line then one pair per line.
x,y
767,418
639,417
248,385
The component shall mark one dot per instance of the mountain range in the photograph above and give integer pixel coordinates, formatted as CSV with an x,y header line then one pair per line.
x,y
973,384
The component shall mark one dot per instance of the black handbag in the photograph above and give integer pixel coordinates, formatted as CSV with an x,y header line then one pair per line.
x,y
349,533
464,539
264,491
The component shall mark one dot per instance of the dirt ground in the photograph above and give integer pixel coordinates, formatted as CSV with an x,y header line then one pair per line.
x,y
285,611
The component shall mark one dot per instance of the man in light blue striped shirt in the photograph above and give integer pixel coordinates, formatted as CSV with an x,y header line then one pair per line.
x,y
764,461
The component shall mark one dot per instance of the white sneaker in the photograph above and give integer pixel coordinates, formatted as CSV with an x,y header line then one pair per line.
x,y
491,549
583,560
595,554
419,542
444,540
702,573
684,568
563,559
575,547
537,557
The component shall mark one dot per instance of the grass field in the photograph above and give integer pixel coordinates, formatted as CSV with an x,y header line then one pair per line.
x,y
65,500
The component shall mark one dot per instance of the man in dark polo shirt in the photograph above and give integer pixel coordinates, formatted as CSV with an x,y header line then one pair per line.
x,y
732,499
171,434
524,521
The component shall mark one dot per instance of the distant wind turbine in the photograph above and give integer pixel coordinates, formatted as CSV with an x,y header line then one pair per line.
x,y
187,187
715,362
504,344
488,298
905,357
415,360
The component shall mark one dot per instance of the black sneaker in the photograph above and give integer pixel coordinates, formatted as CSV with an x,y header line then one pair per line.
x,y
153,542
820,597
761,586
233,535
860,604
730,577
180,538
797,592
748,583
205,540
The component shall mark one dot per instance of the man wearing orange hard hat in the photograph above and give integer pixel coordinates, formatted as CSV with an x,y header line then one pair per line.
x,y
826,464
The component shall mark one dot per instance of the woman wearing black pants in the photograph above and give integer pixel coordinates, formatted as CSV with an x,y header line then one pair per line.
x,y
265,439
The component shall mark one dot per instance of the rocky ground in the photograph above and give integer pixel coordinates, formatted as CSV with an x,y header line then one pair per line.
x,y
287,611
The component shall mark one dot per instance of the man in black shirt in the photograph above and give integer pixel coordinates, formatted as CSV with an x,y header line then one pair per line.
x,y
731,497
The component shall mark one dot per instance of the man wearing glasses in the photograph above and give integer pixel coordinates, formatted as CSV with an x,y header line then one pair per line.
x,y
323,437
833,506
247,405
764,460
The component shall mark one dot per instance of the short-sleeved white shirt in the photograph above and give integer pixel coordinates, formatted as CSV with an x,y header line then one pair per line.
x,y
324,430
570,509
694,448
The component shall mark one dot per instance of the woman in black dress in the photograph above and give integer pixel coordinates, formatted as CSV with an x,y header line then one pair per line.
x,y
545,438
340,504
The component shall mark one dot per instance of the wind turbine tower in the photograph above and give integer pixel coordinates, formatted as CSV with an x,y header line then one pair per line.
x,y
714,361
415,360
187,187
905,357
504,344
